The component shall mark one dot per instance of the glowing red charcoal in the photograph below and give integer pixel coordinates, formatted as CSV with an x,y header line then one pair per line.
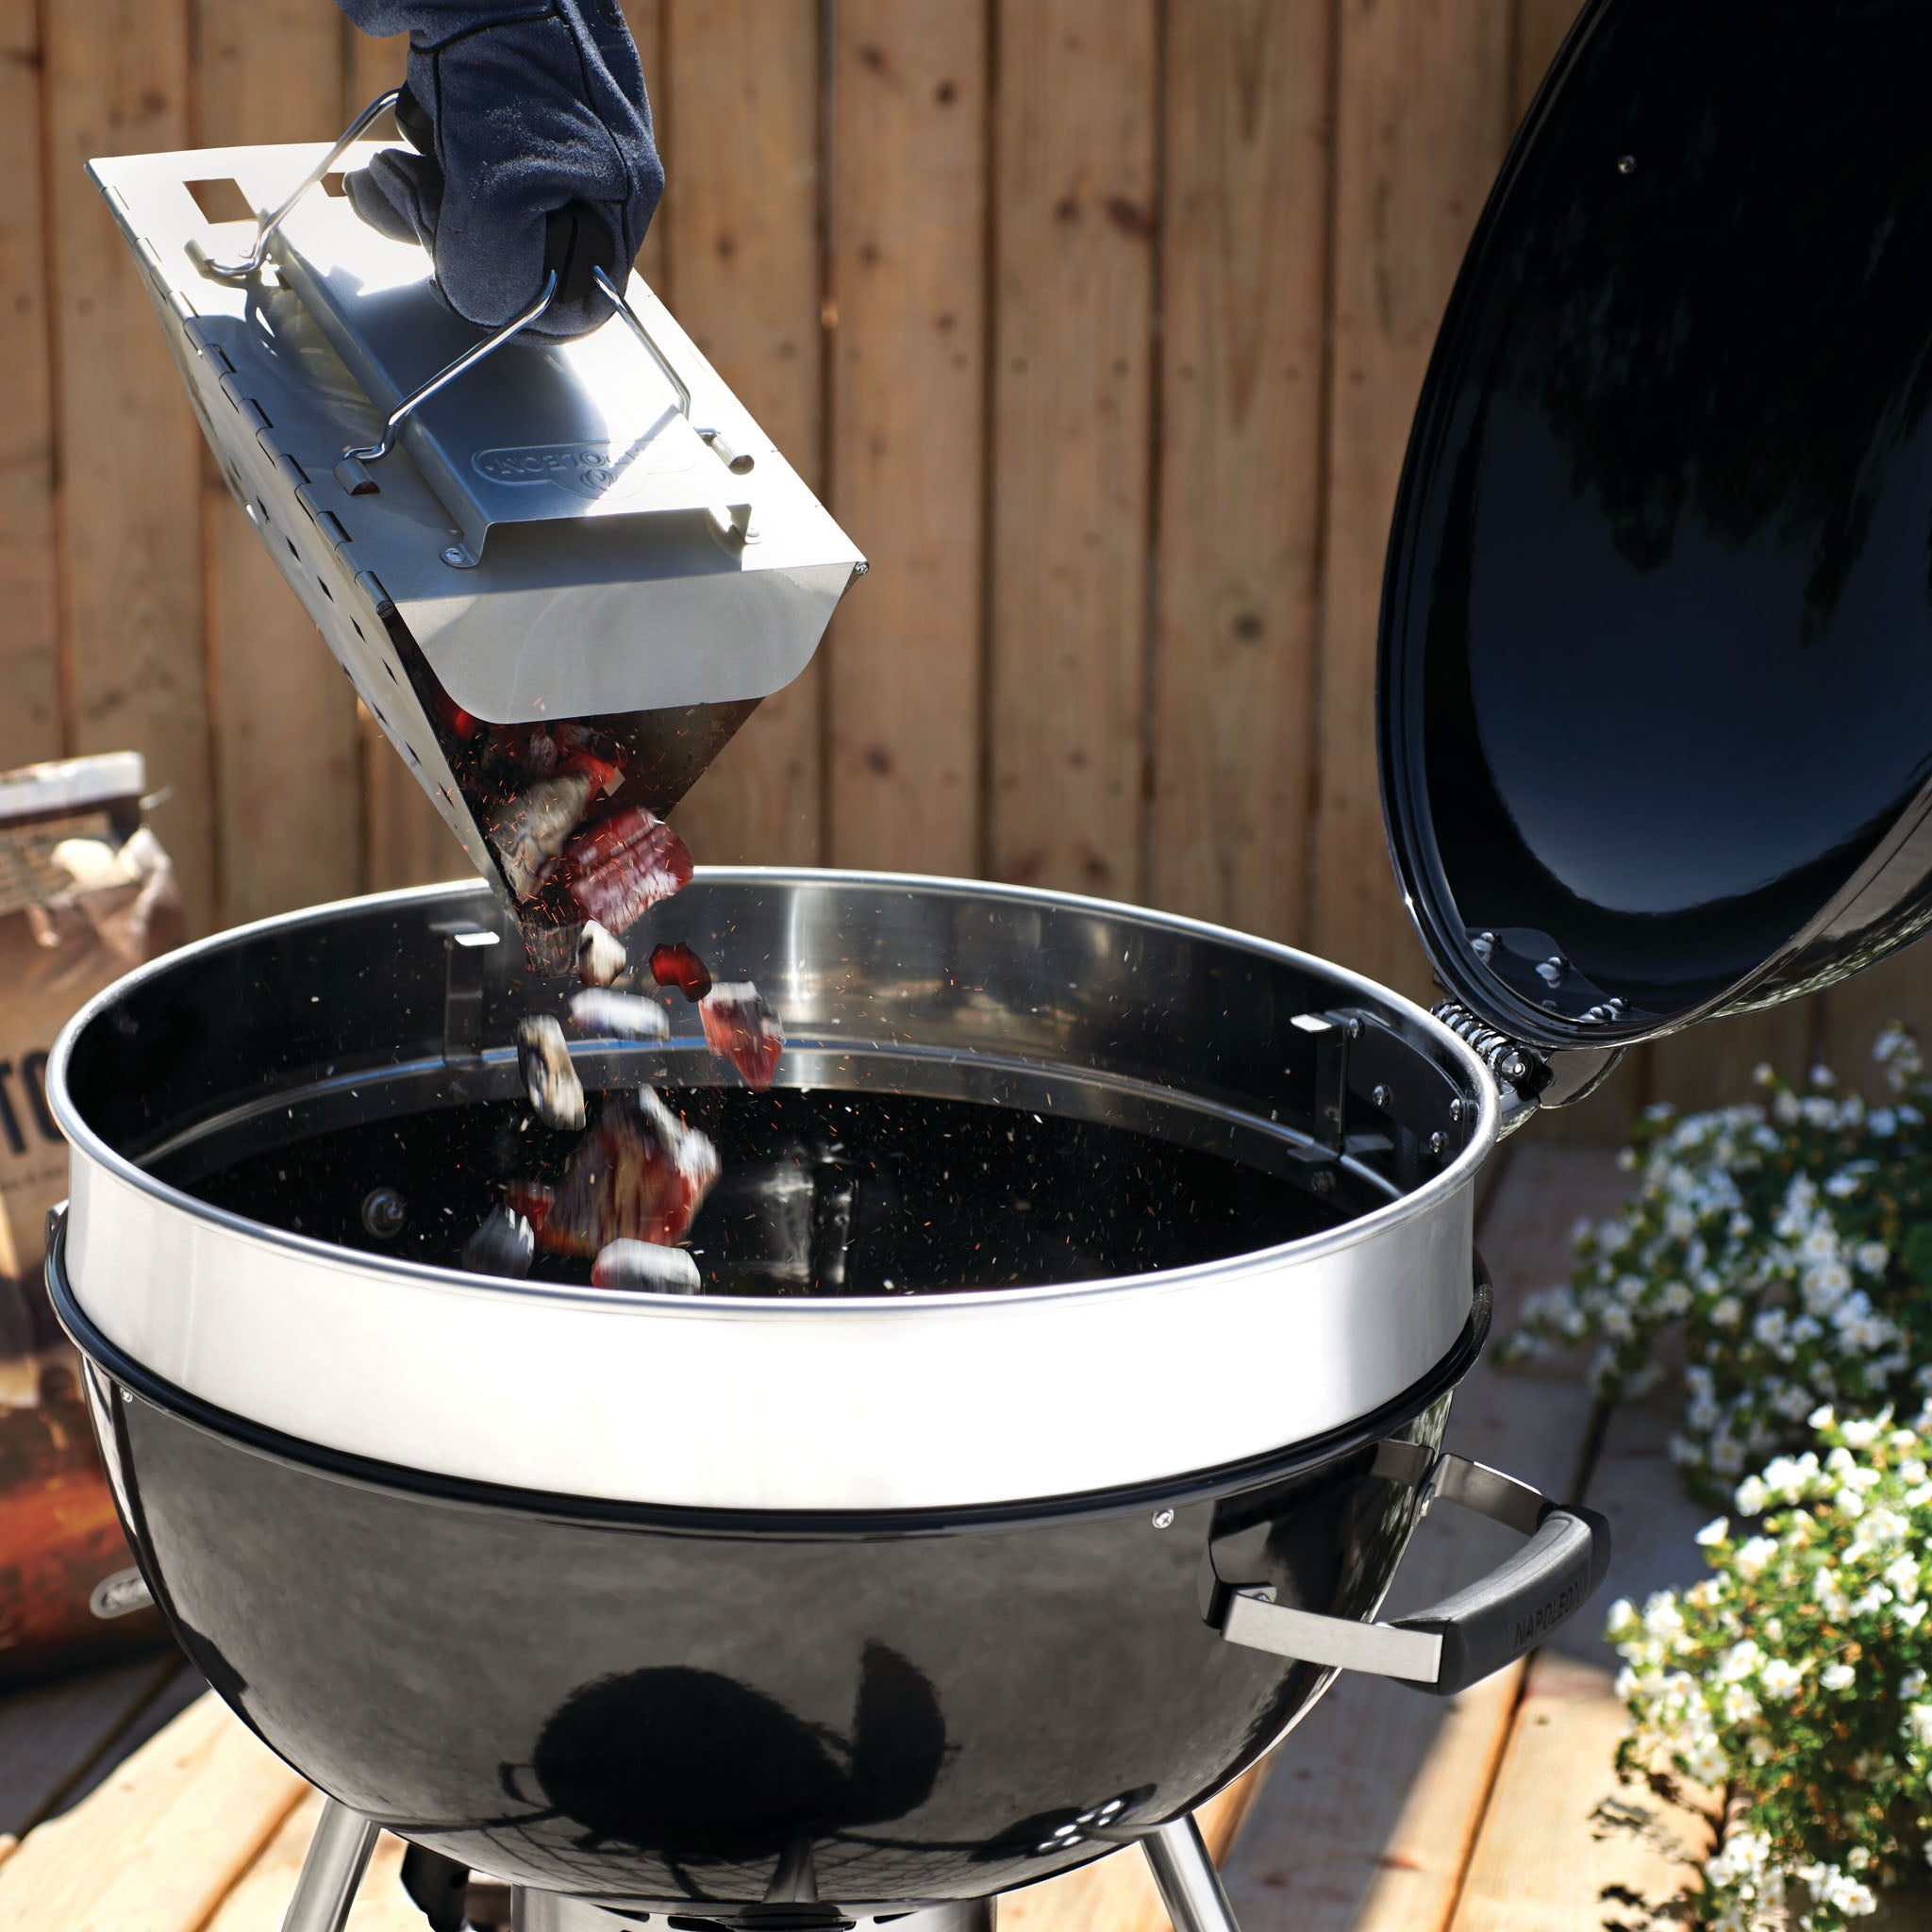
x,y
741,1029
619,869
639,1175
678,965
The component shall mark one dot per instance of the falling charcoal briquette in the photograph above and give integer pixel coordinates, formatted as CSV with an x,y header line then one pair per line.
x,y
601,958
549,951
639,1175
618,1015
741,1029
678,965
617,871
503,1244
529,829
646,1268
550,1081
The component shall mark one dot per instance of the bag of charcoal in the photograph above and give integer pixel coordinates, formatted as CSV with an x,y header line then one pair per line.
x,y
86,892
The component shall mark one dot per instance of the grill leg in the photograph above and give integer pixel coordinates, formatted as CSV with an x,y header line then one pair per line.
x,y
1190,1886
337,1857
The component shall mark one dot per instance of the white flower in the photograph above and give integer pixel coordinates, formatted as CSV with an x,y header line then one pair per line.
x,y
1902,1574
1836,1676
1919,1723
1740,1707
1751,1497
1861,1435
1727,1312
1739,1661
1713,1532
1821,1417
1663,1623
1842,1185
1911,1683
1870,1258
1779,1680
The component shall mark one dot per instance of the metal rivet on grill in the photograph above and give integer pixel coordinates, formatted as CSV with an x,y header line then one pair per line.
x,y
1552,970
1322,1181
1626,164
1381,1094
1355,1029
1438,1142
384,1212
1163,1519
1455,1110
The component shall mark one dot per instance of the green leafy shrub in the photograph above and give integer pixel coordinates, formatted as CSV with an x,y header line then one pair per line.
x,y
1789,1242
1796,1681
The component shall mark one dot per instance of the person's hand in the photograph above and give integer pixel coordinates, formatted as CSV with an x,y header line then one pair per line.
x,y
535,151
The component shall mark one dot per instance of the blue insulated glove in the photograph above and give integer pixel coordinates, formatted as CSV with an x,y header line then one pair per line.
x,y
534,145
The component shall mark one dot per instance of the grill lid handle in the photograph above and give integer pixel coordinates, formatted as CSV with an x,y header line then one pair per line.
x,y
1478,1630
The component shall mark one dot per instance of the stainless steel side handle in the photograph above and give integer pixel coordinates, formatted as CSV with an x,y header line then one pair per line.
x,y
1470,1634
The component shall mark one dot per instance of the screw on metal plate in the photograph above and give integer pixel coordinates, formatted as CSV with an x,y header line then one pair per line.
x,y
1626,164
384,1213
1381,1094
1163,1519
1482,946
1439,1143
1455,1110
1550,971
458,557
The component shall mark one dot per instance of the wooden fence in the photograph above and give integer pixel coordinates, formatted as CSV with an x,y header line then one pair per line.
x,y
1098,322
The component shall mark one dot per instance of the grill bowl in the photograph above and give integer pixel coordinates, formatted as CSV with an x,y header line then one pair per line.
x,y
644,1598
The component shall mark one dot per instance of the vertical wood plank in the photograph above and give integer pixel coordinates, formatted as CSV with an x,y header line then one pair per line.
x,y
404,842
129,506
1247,156
1854,1013
909,146
1710,1065
1541,25
741,161
645,19
288,771
1422,115
29,640
370,67
1076,207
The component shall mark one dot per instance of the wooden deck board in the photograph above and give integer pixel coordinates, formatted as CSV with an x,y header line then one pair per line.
x,y
162,1842
52,1734
1562,1843
1367,1820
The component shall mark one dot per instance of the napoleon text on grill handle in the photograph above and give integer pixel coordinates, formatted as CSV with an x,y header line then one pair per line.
x,y
1478,1630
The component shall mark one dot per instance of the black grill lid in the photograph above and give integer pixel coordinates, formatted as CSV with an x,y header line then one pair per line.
x,y
1655,674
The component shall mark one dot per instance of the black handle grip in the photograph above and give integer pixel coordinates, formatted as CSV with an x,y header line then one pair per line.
x,y
1515,1608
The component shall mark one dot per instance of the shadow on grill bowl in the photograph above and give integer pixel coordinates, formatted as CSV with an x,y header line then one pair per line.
x,y
1086,1272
